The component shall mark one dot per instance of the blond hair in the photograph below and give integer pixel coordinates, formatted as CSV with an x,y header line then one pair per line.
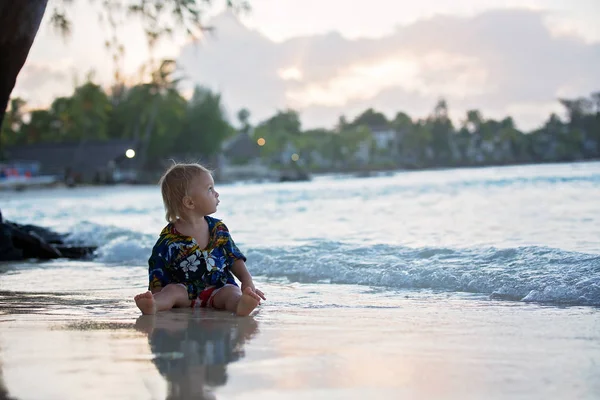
x,y
174,186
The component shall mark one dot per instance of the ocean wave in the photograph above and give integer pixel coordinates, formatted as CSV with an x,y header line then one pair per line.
x,y
115,245
529,274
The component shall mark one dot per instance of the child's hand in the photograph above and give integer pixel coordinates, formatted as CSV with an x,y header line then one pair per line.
x,y
256,293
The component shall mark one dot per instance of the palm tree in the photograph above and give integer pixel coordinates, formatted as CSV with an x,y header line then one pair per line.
x,y
243,116
14,116
162,85
12,123
576,110
474,121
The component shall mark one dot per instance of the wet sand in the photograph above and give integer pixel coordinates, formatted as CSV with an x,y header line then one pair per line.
x,y
330,342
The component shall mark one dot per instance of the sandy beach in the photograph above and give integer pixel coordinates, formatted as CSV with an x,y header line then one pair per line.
x,y
338,342
478,284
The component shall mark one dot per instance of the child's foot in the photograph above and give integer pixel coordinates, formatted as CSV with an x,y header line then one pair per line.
x,y
145,303
247,304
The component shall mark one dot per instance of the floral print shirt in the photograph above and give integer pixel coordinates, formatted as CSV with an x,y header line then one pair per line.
x,y
177,258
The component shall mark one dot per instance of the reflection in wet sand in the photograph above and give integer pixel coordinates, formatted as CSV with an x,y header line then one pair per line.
x,y
192,350
3,390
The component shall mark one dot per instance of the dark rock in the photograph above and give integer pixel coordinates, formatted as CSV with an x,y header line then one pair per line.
x,y
21,242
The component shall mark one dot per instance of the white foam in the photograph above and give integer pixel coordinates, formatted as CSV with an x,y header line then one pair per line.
x,y
527,274
115,245
123,250
530,274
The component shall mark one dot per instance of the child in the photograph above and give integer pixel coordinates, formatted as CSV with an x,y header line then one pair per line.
x,y
195,258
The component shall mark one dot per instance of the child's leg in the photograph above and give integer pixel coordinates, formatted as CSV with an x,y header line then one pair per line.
x,y
170,296
232,299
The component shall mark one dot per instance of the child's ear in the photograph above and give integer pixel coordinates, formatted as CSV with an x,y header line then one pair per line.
x,y
188,202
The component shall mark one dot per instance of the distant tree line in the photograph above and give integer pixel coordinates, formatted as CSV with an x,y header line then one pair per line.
x,y
164,123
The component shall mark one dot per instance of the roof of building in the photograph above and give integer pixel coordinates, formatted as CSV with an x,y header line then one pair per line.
x,y
242,146
84,156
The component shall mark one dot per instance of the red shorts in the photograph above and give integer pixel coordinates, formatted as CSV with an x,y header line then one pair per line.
x,y
206,297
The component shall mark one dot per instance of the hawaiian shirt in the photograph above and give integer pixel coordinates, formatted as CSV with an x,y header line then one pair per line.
x,y
177,258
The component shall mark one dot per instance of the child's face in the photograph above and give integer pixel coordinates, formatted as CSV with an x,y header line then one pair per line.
x,y
204,198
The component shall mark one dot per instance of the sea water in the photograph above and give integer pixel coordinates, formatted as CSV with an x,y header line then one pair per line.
x,y
520,233
478,283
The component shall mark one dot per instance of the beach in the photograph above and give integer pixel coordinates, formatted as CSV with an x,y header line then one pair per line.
x,y
357,343
482,284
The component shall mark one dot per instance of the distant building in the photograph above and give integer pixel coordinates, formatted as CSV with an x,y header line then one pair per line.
x,y
240,160
86,161
385,138
363,153
382,147
240,149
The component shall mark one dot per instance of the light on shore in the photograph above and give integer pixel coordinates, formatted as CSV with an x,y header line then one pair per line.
x,y
295,157
130,153
261,141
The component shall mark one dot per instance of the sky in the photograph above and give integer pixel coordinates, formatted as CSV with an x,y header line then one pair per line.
x,y
339,57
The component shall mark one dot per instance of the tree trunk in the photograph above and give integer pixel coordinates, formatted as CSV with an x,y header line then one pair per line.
x,y
19,23
145,144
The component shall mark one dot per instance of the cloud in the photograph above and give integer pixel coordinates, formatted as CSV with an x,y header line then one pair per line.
x,y
39,83
33,76
501,62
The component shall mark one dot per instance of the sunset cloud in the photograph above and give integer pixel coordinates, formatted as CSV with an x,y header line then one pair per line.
x,y
328,59
505,61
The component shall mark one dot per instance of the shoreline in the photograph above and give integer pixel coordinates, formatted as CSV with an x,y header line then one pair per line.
x,y
365,172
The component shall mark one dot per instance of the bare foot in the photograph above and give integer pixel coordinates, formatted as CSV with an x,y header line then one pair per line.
x,y
145,303
247,304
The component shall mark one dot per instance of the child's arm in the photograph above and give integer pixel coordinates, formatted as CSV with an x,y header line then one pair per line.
x,y
237,262
241,272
